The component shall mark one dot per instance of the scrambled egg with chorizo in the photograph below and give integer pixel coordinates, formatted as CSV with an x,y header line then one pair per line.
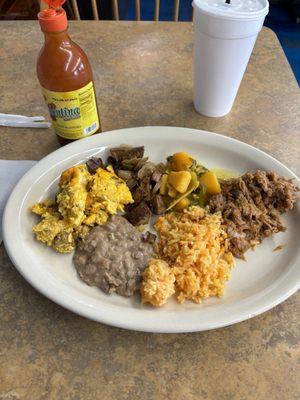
x,y
106,196
83,200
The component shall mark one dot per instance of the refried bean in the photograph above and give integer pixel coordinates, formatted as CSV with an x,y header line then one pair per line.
x,y
113,257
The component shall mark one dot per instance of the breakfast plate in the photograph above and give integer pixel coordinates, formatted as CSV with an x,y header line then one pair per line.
x,y
265,279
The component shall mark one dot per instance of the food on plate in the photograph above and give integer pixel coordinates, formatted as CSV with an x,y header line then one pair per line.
x,y
126,153
180,201
158,283
181,161
204,217
149,237
181,204
251,206
61,218
279,247
194,246
211,182
52,230
143,179
107,194
157,188
186,182
82,200
180,180
93,164
113,257
72,194
139,215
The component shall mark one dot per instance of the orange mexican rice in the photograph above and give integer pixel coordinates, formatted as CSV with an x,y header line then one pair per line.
x,y
194,246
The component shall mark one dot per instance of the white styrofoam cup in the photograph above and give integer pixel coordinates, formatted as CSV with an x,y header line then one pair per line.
x,y
224,37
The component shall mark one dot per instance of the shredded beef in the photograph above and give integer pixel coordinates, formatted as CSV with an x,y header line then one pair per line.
x,y
251,206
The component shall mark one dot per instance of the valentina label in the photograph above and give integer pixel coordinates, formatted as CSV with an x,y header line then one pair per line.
x,y
65,113
74,113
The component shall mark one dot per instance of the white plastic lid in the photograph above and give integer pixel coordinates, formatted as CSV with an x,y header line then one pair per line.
x,y
236,9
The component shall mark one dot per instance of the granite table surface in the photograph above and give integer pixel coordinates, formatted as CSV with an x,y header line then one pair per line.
x,y
143,76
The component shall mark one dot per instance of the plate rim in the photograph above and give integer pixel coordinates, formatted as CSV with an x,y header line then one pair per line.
x,y
131,324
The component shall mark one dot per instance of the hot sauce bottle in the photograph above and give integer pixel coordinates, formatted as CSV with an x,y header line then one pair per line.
x,y
66,78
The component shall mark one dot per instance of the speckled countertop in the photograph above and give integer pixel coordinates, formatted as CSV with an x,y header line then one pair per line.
x,y
143,76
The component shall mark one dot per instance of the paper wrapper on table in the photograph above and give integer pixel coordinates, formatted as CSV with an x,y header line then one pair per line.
x,y
10,173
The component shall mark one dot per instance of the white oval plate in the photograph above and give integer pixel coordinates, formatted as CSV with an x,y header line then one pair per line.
x,y
265,280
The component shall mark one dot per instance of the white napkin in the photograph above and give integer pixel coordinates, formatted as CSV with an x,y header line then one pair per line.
x,y
11,172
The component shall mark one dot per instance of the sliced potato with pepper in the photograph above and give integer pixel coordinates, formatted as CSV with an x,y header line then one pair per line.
x,y
163,184
194,183
199,196
179,180
199,169
181,161
182,204
172,192
210,180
